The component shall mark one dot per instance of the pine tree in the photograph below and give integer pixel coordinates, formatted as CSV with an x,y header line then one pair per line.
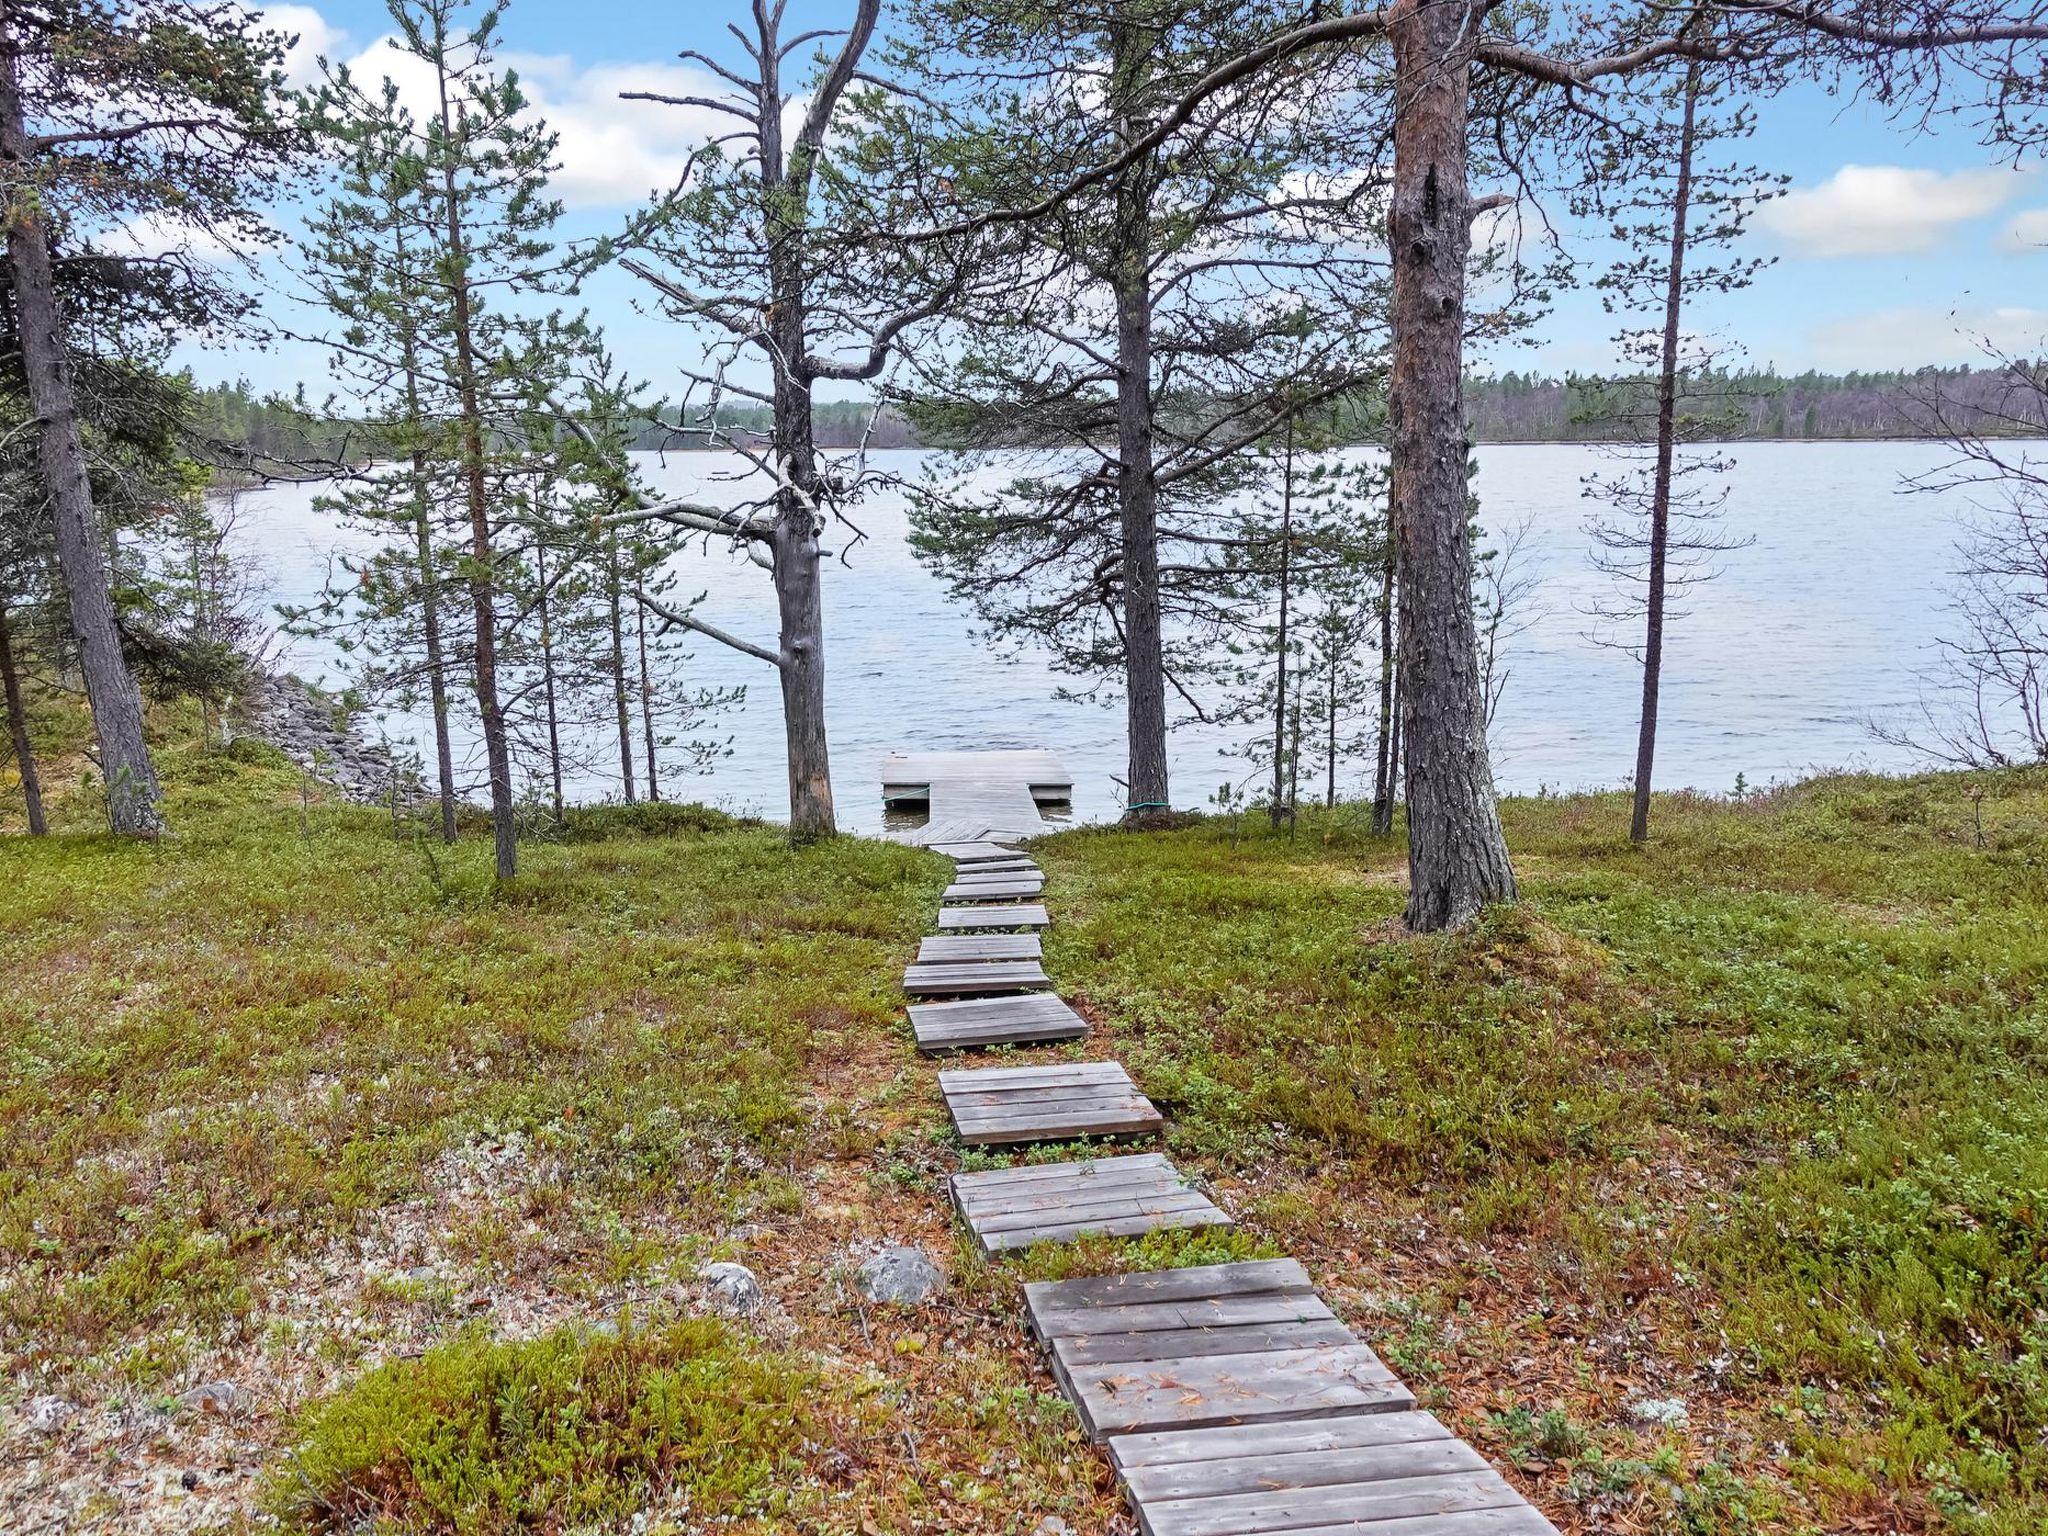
x,y
151,112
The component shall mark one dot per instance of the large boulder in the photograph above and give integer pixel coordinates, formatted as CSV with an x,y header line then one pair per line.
x,y
899,1275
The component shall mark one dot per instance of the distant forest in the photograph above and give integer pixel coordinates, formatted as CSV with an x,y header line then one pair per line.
x,y
1504,408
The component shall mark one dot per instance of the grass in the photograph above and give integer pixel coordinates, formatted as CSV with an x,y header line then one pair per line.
x,y
1755,1118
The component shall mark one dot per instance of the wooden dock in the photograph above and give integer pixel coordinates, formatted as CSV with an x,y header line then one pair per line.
x,y
1231,1398
975,797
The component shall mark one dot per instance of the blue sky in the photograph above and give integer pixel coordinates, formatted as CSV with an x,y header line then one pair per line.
x,y
1893,250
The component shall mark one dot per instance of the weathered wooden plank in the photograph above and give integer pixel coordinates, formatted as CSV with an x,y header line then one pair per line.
x,y
1028,1017
1009,1208
1131,1396
1521,1520
1350,1466
939,948
1011,1106
1360,1504
1177,1448
972,852
1193,1283
1065,1074
1136,1225
1248,1339
1009,888
956,978
1181,1315
1023,915
1016,863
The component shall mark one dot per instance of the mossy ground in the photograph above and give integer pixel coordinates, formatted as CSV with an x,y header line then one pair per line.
x,y
1756,1117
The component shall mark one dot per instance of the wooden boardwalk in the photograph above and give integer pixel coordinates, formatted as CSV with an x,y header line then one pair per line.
x,y
1057,1202
1010,1106
1231,1399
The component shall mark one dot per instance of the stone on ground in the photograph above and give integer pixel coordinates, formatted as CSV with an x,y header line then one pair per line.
x,y
732,1289
904,1276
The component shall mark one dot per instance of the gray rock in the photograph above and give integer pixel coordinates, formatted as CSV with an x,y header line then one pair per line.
x,y
216,1399
1663,1412
49,1414
732,1289
902,1275
1052,1525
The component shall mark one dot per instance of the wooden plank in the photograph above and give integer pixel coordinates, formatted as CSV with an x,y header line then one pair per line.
x,y
1322,1382
1012,1106
1352,1466
1514,1520
1177,1448
971,852
959,978
1010,1208
1248,1339
1357,1506
1193,1283
1055,1074
1176,1316
1029,1017
1026,915
1015,863
961,947
1140,1223
1011,888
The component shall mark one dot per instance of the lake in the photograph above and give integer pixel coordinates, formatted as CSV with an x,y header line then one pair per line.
x,y
1825,621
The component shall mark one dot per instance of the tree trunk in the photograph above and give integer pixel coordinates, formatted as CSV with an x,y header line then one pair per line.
x,y
17,731
1137,492
646,701
1330,744
1280,667
620,705
799,590
1457,856
547,680
134,802
1383,778
437,665
1660,493
482,579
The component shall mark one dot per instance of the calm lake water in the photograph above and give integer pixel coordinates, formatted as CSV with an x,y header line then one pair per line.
x,y
1827,619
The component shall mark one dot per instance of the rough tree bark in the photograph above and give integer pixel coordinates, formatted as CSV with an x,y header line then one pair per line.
x,y
615,596
17,731
1383,778
1280,650
799,593
1457,856
483,596
1137,490
1660,491
430,602
134,802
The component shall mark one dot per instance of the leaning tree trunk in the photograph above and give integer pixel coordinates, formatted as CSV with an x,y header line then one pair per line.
x,y
17,731
437,662
1457,856
134,802
1660,491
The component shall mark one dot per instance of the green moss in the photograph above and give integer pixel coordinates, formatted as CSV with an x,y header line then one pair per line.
x,y
477,1438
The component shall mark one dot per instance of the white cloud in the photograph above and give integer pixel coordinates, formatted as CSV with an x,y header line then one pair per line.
x,y
2028,231
1909,336
1883,210
611,152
